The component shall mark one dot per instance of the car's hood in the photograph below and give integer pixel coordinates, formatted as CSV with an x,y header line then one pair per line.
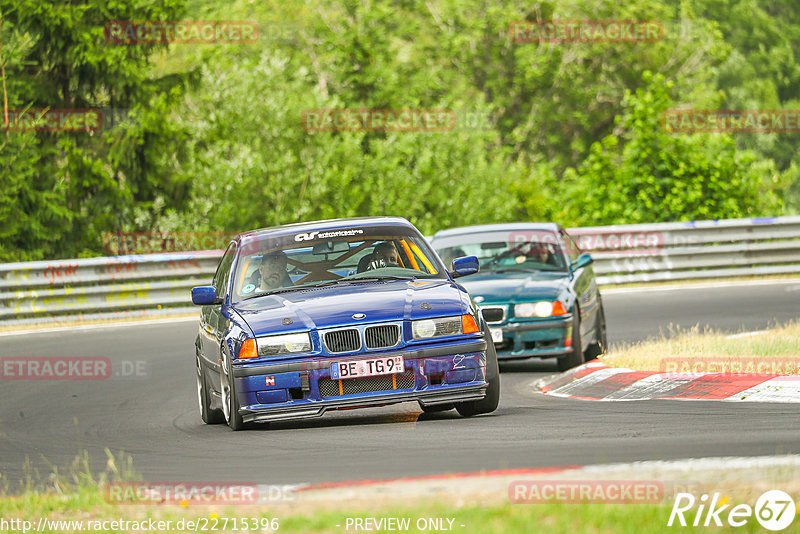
x,y
335,306
515,286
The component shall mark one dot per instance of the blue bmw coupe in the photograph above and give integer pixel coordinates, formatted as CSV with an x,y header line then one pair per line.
x,y
305,318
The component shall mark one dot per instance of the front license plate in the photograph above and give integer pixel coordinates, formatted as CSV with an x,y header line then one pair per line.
x,y
497,335
375,366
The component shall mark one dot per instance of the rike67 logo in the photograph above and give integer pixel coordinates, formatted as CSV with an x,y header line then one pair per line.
x,y
774,510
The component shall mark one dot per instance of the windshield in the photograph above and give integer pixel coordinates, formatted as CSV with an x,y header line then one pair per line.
x,y
517,250
312,259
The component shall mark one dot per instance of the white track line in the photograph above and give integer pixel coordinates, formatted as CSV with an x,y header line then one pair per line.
x,y
692,464
746,334
79,327
709,285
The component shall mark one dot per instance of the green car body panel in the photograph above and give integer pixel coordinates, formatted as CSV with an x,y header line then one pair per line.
x,y
497,289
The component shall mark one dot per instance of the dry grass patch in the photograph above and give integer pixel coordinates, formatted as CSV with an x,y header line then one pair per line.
x,y
776,350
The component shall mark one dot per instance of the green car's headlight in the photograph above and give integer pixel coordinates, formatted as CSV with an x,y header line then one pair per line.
x,y
543,308
284,344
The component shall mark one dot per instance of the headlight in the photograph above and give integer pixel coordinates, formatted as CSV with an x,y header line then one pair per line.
x,y
284,344
543,308
443,326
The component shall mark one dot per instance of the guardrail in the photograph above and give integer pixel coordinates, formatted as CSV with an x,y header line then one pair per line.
x,y
692,250
156,283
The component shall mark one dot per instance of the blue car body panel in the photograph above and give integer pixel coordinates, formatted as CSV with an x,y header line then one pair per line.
x,y
288,386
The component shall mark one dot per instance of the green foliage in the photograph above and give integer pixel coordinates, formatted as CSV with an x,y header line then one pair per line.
x,y
32,213
212,137
643,173
255,165
76,185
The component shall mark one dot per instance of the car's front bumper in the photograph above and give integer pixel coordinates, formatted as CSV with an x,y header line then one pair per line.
x,y
303,388
448,395
538,338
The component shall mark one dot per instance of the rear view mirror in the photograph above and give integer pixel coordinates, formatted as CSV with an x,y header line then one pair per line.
x,y
204,295
582,261
330,247
464,266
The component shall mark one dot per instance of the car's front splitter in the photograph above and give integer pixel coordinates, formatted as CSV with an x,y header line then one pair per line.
x,y
535,339
442,395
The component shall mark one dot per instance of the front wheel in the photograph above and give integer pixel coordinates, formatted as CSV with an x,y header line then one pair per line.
x,y
600,345
230,402
209,415
575,357
489,403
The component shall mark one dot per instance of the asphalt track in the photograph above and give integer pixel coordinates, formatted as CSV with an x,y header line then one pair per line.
x,y
153,416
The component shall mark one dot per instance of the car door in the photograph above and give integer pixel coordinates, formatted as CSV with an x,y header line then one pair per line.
x,y
583,284
214,324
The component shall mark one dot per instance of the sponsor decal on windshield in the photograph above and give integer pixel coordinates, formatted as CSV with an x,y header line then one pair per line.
x,y
316,234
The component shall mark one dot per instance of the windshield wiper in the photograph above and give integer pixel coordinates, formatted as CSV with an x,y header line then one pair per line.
x,y
273,292
512,270
330,282
378,278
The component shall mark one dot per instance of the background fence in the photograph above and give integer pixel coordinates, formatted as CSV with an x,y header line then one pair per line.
x,y
150,284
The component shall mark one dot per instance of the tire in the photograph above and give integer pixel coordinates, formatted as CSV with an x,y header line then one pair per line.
x,y
489,403
574,358
600,344
210,416
230,402
437,408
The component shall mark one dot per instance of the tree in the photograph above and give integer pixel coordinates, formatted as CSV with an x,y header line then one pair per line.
x,y
645,174
57,58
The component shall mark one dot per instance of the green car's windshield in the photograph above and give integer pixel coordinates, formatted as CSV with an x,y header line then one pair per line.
x,y
530,250
272,266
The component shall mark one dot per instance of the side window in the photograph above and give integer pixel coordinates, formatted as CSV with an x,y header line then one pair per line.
x,y
570,247
224,269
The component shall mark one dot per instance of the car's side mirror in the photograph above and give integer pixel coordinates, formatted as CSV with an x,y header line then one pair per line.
x,y
204,295
582,261
464,266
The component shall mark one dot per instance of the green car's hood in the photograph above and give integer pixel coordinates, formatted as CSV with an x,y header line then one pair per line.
x,y
516,286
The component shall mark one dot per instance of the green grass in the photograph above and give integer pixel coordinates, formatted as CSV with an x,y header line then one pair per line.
x,y
75,494
88,504
776,350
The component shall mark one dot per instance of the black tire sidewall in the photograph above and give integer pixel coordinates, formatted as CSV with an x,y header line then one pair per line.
x,y
489,403
209,415
235,422
574,358
600,345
